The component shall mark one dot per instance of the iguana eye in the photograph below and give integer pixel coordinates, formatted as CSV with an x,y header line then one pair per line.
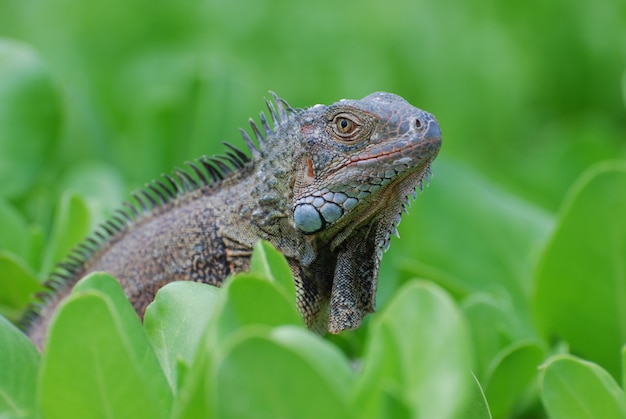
x,y
345,126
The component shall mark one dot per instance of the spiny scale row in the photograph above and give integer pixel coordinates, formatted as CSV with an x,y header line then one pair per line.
x,y
159,192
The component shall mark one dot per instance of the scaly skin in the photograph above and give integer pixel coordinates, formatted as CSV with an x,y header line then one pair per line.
x,y
326,186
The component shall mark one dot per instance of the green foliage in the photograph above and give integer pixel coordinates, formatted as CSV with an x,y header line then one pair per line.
x,y
575,389
110,370
431,380
569,294
20,361
236,361
518,245
18,285
30,117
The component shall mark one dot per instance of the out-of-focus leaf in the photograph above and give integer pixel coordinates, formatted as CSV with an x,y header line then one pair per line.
x,y
248,300
29,117
477,407
511,375
269,262
490,319
98,184
277,381
575,389
19,362
17,285
580,284
98,362
323,357
479,236
254,300
434,377
14,233
71,224
176,321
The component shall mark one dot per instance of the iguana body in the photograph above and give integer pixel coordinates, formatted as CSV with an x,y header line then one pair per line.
x,y
326,186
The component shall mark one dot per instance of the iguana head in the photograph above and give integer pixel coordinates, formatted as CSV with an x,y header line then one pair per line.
x,y
357,152
361,159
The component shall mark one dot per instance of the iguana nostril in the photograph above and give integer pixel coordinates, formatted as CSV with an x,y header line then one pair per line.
x,y
433,130
418,123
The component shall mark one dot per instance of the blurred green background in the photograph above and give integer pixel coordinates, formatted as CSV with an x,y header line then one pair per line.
x,y
529,93
98,97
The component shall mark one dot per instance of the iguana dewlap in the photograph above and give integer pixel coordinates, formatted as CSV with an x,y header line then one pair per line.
x,y
326,186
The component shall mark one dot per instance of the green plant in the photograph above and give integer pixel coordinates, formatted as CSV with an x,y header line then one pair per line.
x,y
247,355
518,246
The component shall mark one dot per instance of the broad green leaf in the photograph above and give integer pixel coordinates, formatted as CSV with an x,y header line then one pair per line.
x,y
581,281
269,262
380,387
421,344
323,357
14,234
17,285
192,400
392,404
511,374
250,300
176,321
477,406
247,300
29,117
98,362
19,362
71,224
572,388
490,319
264,378
37,244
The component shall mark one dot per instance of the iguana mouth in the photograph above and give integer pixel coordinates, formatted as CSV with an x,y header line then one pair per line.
x,y
423,146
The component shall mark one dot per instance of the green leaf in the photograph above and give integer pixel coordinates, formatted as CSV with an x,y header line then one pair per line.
x,y
19,363
581,281
490,321
269,262
293,373
14,234
98,362
176,321
320,354
572,388
252,300
276,379
29,117
247,300
512,373
477,407
18,284
71,224
419,344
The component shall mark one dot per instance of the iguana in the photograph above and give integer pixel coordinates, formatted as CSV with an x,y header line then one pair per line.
x,y
326,185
